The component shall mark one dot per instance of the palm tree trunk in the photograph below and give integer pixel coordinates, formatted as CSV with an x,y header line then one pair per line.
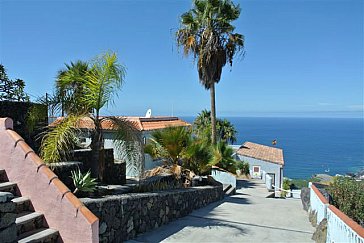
x,y
98,160
95,154
213,114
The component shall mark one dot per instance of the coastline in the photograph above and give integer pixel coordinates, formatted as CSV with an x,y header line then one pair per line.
x,y
323,179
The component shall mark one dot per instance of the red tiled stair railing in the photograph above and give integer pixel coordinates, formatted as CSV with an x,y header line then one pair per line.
x,y
63,210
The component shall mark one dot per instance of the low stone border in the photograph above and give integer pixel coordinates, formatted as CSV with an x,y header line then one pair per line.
x,y
122,217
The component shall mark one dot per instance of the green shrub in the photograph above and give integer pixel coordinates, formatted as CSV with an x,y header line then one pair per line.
x,y
286,186
243,167
348,196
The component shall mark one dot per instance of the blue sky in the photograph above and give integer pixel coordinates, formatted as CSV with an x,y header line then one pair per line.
x,y
303,58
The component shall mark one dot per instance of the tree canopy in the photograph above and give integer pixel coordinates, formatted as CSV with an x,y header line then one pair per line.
x,y
225,130
11,90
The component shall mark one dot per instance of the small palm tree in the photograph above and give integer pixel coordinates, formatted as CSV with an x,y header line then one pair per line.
x,y
70,86
202,125
222,157
206,32
169,144
85,88
176,146
197,156
226,131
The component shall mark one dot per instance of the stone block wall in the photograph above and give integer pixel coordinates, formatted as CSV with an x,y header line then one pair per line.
x,y
7,218
122,217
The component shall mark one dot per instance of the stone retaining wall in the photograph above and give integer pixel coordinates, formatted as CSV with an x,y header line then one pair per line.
x,y
122,217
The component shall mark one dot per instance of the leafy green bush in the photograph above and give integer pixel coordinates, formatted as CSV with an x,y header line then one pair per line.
x,y
286,186
83,182
348,196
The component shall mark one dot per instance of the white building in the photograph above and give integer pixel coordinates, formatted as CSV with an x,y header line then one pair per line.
x,y
144,125
263,158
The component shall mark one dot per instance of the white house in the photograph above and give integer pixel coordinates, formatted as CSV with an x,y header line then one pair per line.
x,y
263,158
144,125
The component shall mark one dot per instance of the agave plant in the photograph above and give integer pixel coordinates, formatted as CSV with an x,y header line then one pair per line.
x,y
83,182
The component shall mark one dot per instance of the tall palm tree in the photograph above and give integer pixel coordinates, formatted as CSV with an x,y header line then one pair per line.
x,y
85,89
206,32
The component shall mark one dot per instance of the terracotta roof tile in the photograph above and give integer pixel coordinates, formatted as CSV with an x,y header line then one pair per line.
x,y
262,152
140,123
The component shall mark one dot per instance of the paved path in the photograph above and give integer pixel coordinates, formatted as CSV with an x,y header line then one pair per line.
x,y
247,216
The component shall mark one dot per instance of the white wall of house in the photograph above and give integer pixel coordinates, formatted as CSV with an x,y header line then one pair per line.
x,y
268,167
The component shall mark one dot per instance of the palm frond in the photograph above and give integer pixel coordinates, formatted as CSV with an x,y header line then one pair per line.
x,y
104,80
170,143
207,32
70,87
60,140
222,156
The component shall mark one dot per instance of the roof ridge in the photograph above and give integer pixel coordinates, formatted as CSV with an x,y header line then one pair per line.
x,y
263,145
261,152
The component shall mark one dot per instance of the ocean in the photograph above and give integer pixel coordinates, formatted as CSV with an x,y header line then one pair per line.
x,y
310,145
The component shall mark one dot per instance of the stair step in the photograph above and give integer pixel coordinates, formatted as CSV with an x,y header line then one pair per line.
x,y
3,176
8,187
23,204
42,235
29,221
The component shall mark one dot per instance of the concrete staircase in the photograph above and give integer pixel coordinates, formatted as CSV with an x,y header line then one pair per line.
x,y
31,226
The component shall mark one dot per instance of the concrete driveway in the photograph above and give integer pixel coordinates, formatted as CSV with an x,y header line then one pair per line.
x,y
247,216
